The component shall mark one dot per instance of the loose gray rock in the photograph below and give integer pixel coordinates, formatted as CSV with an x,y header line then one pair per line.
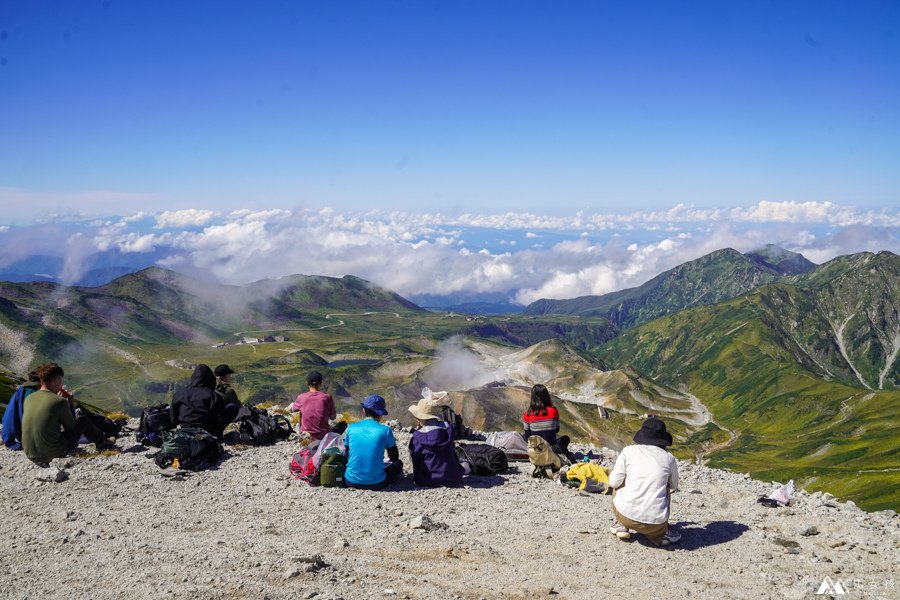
x,y
809,530
425,523
251,532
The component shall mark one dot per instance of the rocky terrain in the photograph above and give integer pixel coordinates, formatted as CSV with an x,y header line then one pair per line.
x,y
119,527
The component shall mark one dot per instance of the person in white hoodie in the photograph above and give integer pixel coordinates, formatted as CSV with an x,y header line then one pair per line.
x,y
643,479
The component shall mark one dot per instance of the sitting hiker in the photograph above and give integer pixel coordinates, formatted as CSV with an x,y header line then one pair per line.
x,y
432,447
642,479
367,441
49,427
198,404
316,409
542,419
223,386
12,416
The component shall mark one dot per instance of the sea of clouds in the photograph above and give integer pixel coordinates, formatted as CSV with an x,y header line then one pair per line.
x,y
518,256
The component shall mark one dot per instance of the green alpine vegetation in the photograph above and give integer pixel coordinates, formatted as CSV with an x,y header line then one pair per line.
x,y
805,373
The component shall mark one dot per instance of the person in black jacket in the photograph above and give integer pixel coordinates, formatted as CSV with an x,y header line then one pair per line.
x,y
198,404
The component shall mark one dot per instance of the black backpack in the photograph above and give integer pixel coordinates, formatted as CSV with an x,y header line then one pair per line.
x,y
195,448
262,428
448,414
154,421
484,459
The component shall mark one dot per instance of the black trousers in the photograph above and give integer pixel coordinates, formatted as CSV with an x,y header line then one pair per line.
x,y
83,426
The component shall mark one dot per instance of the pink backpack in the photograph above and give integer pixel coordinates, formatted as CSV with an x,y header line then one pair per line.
x,y
303,467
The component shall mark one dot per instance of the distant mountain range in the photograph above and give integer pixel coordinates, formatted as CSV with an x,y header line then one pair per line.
x,y
92,270
44,319
712,278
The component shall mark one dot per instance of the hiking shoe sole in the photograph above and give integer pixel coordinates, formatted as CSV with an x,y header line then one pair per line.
x,y
620,532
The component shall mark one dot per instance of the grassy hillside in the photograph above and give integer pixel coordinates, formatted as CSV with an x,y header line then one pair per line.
x,y
769,367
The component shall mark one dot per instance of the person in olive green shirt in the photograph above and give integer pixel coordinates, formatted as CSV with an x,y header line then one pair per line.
x,y
49,427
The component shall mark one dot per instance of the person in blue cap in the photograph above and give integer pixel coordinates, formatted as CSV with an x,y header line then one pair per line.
x,y
367,441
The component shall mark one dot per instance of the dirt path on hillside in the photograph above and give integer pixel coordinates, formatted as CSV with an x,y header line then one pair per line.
x,y
732,437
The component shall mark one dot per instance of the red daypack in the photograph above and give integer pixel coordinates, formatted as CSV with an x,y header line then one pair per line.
x,y
304,468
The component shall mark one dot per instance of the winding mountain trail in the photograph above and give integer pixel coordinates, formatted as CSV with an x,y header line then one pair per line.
x,y
732,434
242,333
846,411
365,314
732,437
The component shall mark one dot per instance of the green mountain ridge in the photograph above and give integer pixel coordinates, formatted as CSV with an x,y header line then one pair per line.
x,y
805,372
715,277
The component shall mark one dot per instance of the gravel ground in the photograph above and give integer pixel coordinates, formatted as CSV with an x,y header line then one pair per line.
x,y
117,527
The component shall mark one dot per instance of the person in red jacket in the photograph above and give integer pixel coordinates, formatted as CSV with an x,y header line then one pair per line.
x,y
542,419
316,409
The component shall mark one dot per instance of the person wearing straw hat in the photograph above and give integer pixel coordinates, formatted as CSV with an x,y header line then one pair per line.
x,y
643,478
432,445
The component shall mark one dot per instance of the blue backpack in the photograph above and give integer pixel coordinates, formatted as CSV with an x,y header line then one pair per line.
x,y
12,418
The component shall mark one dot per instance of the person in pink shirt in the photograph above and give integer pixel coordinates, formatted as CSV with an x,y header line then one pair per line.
x,y
316,408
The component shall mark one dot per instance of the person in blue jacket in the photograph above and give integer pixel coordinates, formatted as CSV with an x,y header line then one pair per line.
x,y
12,417
367,441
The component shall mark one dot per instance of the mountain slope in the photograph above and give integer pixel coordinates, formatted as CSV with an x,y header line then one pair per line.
x,y
780,260
807,373
718,276
111,326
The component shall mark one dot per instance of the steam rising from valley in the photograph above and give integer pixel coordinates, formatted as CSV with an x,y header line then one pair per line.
x,y
457,368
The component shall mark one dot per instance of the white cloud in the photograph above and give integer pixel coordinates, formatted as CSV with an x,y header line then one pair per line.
x,y
138,243
421,253
191,217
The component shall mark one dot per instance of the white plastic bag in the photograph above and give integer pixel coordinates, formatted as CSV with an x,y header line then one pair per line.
x,y
783,494
331,440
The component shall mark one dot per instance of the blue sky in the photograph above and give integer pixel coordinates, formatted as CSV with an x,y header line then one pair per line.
x,y
507,149
114,107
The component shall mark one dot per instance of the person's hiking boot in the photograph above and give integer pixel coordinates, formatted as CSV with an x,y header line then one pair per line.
x,y
106,444
670,538
620,531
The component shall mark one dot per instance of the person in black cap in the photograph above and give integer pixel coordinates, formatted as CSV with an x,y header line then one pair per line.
x,y
316,408
643,478
223,386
